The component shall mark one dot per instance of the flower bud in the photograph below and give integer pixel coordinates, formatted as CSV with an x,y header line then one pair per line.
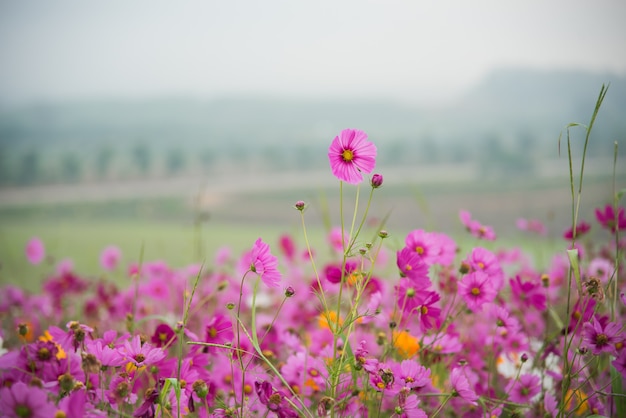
x,y
299,205
377,181
383,234
289,292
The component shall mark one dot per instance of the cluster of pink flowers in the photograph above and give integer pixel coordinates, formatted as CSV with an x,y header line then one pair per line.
x,y
427,328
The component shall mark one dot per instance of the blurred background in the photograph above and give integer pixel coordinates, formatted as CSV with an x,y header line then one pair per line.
x,y
174,128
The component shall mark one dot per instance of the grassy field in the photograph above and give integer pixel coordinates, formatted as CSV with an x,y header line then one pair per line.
x,y
166,227
82,241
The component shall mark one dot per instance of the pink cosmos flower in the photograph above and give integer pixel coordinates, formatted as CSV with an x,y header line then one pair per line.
x,y
413,267
336,241
110,257
410,407
580,229
219,330
461,386
447,249
529,293
620,363
601,268
411,374
481,259
35,251
524,389
601,336
142,355
351,154
425,244
611,220
263,263
21,400
476,290
532,225
475,228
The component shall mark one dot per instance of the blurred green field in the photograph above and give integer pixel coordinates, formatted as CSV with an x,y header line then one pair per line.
x,y
82,241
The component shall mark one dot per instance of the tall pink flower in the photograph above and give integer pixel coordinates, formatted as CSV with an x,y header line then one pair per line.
x,y
263,263
35,251
350,155
110,257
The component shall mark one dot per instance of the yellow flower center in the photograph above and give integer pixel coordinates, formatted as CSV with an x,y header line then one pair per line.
x,y
419,249
475,291
347,155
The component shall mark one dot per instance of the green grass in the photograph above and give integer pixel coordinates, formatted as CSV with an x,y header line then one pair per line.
x,y
82,241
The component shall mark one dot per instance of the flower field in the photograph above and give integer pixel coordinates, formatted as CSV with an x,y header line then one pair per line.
x,y
358,327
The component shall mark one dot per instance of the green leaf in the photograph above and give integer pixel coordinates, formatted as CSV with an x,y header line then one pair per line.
x,y
621,194
573,261
618,389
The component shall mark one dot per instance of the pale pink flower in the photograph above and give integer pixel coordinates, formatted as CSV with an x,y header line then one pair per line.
x,y
350,155
110,257
461,386
35,251
65,266
263,263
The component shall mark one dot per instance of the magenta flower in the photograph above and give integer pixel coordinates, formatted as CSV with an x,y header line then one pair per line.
x,y
476,290
21,400
601,336
351,154
484,260
408,407
408,298
611,220
425,244
263,263
35,251
461,387
529,294
110,257
580,229
163,335
142,355
413,267
219,330
410,374
524,389
620,363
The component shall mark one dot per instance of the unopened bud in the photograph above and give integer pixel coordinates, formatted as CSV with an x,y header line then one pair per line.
x,y
377,181
289,292
465,268
300,205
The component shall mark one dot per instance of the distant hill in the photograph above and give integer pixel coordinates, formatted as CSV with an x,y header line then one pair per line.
x,y
538,103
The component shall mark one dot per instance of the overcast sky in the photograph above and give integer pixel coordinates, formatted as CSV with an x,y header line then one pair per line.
x,y
409,50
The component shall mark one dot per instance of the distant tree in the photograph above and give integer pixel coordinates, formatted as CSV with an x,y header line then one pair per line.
x,y
207,159
104,157
5,171
29,170
175,161
142,157
71,167
429,151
